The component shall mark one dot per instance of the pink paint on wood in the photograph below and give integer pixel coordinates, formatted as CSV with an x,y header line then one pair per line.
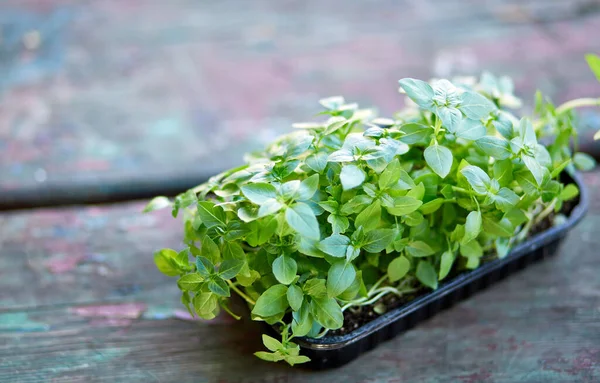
x,y
123,311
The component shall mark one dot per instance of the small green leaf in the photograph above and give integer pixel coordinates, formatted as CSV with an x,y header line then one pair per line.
x,y
259,193
335,245
315,288
165,262
377,240
594,64
369,218
584,161
470,130
415,133
426,274
204,267
157,203
505,199
418,91
296,359
398,268
431,206
439,159
494,147
419,249
445,264
308,187
475,106
271,302
285,269
352,176
210,250
477,178
501,228
339,278
317,161
218,286
503,172
211,215
302,219
269,356
327,312
569,192
534,167
271,343
472,226
231,251
190,282
205,305
471,249
405,205
295,297
302,320
230,268
261,231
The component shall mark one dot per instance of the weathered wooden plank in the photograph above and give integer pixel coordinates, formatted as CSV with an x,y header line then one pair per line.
x,y
110,318
109,99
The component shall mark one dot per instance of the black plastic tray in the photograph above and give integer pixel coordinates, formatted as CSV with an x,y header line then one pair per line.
x,y
334,351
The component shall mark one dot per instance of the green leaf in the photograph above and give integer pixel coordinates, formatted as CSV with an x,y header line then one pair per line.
x,y
594,64
259,193
415,133
501,228
377,240
390,175
431,206
352,176
450,117
534,167
271,343
157,203
470,130
503,172
569,192
211,215
369,218
327,312
419,249
295,297
418,91
302,320
472,226
210,250
271,302
439,159
218,286
404,205
339,224
317,161
302,219
477,178
205,267
335,245
494,147
308,187
471,249
230,268
527,182
285,269
205,305
296,359
426,274
165,262
398,268
269,356
445,264
261,231
339,278
190,282
231,251
475,106
584,161
505,199
315,288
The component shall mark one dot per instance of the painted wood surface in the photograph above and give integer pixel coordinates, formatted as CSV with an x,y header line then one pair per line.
x,y
81,301
119,98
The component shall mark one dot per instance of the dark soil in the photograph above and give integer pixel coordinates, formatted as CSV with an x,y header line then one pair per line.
x,y
359,316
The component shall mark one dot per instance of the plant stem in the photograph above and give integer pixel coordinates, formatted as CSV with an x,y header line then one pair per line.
x,y
567,106
240,293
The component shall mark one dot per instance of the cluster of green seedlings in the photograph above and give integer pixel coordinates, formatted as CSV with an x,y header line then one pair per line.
x,y
342,212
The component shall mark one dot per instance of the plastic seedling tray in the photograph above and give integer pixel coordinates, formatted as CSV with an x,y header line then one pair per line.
x,y
334,351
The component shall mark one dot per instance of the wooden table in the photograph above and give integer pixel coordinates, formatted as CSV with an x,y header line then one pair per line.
x,y
81,301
